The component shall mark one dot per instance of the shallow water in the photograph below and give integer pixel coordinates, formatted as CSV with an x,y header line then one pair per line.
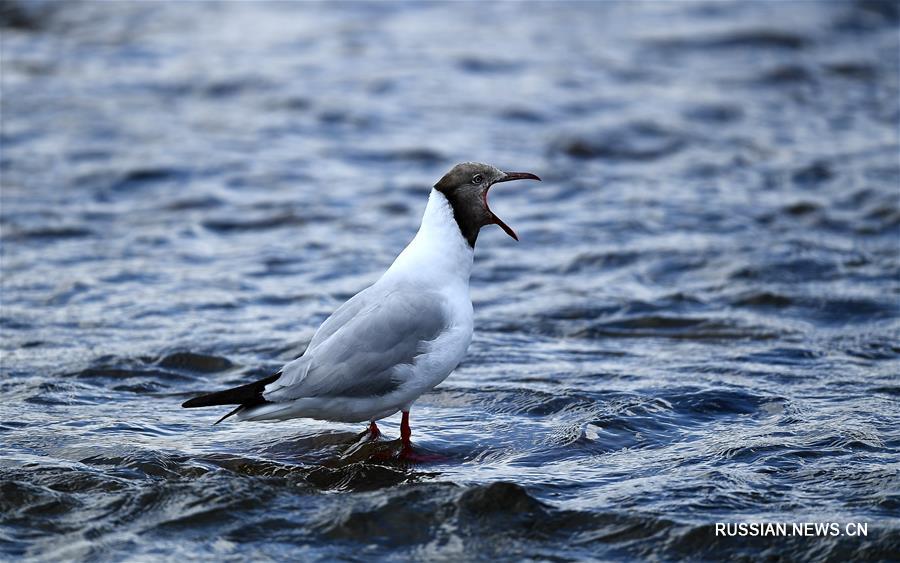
x,y
699,325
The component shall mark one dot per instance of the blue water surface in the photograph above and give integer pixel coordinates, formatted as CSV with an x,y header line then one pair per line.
x,y
699,325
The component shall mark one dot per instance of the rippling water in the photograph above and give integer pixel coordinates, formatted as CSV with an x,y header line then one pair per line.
x,y
700,324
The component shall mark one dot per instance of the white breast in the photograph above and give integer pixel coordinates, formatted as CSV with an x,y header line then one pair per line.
x,y
440,259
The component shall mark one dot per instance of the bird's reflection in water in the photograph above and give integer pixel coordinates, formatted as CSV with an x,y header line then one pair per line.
x,y
336,461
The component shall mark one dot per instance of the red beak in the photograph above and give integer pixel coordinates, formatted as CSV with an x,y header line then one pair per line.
x,y
509,177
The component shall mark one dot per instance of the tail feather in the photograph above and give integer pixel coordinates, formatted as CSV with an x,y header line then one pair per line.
x,y
245,396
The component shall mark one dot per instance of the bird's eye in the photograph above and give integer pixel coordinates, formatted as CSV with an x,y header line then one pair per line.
x,y
477,179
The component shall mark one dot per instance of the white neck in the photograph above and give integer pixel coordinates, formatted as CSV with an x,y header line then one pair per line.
x,y
438,254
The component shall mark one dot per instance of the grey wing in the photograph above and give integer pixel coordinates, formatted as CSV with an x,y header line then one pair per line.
x,y
341,316
371,352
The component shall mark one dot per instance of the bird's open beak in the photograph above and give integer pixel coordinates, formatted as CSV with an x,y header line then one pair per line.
x,y
508,177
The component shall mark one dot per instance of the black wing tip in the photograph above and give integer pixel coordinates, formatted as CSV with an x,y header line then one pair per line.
x,y
232,413
245,396
193,403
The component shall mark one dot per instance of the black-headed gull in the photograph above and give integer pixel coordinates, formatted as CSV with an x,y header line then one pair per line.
x,y
396,339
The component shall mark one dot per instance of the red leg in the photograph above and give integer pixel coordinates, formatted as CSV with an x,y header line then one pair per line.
x,y
405,432
374,432
407,452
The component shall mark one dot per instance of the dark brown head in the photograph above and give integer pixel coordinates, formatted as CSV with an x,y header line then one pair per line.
x,y
466,188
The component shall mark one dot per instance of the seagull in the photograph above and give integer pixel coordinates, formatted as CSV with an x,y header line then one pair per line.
x,y
398,338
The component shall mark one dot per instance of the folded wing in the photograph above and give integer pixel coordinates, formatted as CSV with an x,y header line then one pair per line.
x,y
367,347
